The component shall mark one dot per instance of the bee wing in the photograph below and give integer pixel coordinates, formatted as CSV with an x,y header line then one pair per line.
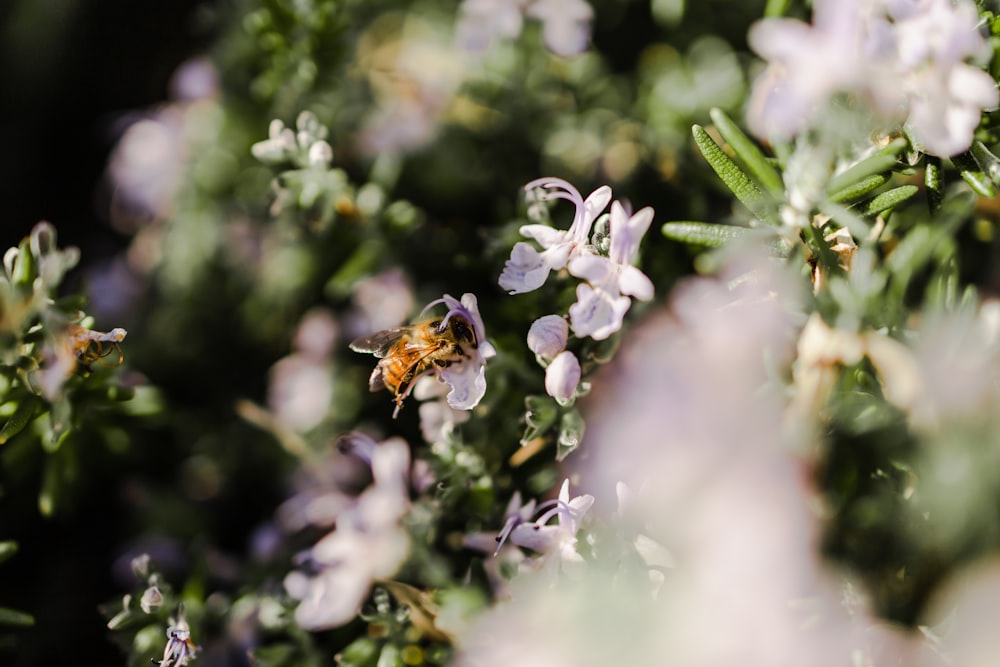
x,y
378,343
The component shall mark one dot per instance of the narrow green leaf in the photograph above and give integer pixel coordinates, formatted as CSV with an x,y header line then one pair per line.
x,y
540,414
571,429
889,199
987,161
735,178
703,233
14,617
883,160
22,416
973,174
859,189
934,182
747,150
7,549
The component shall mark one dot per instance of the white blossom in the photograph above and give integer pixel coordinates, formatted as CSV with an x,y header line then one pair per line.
x,y
557,541
527,268
547,336
601,305
367,543
562,377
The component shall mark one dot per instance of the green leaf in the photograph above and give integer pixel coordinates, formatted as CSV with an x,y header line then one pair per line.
x,y
859,189
705,234
934,182
7,549
25,268
390,657
22,416
540,414
571,429
362,652
987,161
744,147
14,617
889,199
973,174
735,178
882,161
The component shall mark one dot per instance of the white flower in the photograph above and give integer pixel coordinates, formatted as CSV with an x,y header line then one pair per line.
x,y
480,21
566,24
807,64
367,544
467,377
562,377
601,305
547,336
557,541
527,268
946,95
905,58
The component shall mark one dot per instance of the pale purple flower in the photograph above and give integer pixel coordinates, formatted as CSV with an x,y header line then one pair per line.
x,y
527,268
807,64
946,96
562,377
367,544
482,21
300,387
905,59
515,515
380,302
467,377
601,305
565,23
547,336
557,542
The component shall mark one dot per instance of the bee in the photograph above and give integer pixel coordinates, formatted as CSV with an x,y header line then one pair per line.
x,y
90,346
408,353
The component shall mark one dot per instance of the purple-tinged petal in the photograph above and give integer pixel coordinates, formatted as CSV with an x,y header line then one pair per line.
x,y
597,313
526,270
593,268
634,282
468,384
547,336
562,377
627,232
535,537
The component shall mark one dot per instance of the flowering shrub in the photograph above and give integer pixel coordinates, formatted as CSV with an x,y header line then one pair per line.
x,y
747,419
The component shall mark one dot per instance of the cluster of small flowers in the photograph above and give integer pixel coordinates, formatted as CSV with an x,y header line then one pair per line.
x,y
609,280
906,58
367,544
565,23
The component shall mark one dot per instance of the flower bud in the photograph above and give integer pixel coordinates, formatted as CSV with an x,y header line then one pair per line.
x,y
547,336
562,377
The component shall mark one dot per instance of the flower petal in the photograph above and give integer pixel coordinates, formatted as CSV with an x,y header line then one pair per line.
x,y
597,313
634,282
592,268
562,377
468,383
526,270
547,336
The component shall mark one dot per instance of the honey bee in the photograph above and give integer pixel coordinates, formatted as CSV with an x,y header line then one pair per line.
x,y
90,346
408,353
